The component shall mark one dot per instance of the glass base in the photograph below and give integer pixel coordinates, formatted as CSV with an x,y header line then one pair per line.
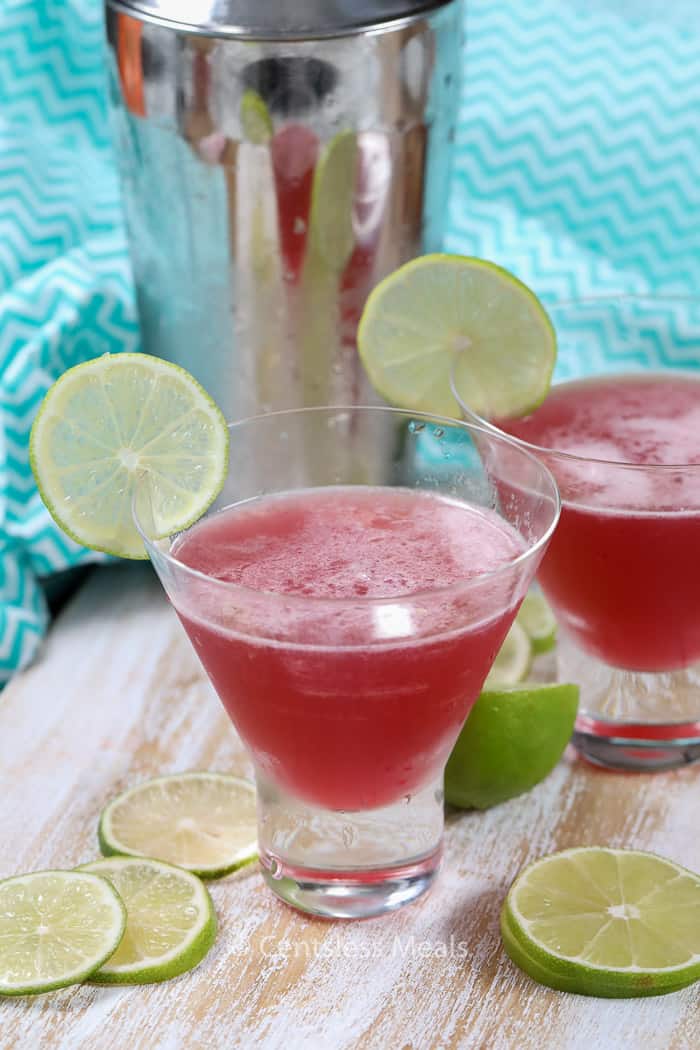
x,y
633,720
349,865
351,895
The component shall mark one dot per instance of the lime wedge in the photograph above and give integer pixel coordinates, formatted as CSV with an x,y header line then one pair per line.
x,y
606,922
513,660
448,315
204,822
329,246
256,121
117,418
56,929
537,620
171,924
512,739
331,234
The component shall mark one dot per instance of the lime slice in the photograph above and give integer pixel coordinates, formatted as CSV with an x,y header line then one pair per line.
x,y
512,739
534,969
204,822
448,315
56,929
329,246
171,924
513,660
256,121
117,418
607,922
331,234
537,620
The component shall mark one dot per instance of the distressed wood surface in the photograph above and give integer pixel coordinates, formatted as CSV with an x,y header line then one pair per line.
x,y
118,696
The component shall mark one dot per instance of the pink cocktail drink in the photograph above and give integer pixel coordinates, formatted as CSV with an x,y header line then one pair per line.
x,y
362,724
346,596
622,570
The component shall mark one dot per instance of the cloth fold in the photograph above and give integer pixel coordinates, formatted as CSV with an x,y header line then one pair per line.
x,y
66,292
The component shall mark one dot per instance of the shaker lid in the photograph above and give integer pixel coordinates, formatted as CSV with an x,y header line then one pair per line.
x,y
275,19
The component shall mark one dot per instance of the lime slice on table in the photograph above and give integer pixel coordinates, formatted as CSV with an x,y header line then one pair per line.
x,y
512,739
443,315
56,929
537,620
204,822
513,659
117,418
171,924
605,922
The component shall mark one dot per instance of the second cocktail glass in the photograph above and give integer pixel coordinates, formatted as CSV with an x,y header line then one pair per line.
x,y
622,572
346,595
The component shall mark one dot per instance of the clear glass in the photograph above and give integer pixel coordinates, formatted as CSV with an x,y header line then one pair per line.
x,y
350,707
622,572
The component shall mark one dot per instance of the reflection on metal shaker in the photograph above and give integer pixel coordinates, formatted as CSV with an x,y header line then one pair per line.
x,y
275,165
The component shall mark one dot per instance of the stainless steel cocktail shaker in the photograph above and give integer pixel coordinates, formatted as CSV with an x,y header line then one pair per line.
x,y
277,160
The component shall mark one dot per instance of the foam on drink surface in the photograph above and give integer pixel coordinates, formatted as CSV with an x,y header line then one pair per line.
x,y
349,542
651,419
636,419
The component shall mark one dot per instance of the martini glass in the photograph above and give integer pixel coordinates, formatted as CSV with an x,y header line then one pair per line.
x,y
622,572
350,658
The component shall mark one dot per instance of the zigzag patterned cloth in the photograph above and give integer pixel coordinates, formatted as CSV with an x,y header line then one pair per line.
x,y
578,167
65,286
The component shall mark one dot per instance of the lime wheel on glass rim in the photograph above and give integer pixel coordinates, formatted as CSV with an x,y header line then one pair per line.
x,y
117,419
444,318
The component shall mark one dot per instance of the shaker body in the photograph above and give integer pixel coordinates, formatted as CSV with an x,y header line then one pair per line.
x,y
268,186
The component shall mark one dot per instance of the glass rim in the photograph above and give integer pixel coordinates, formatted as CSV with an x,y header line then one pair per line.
x,y
493,434
474,419
477,421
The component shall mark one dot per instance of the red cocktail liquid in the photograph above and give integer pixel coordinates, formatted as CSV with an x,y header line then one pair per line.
x,y
359,724
622,569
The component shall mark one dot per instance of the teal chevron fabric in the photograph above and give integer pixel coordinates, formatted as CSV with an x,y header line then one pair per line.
x,y
577,167
578,153
65,287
